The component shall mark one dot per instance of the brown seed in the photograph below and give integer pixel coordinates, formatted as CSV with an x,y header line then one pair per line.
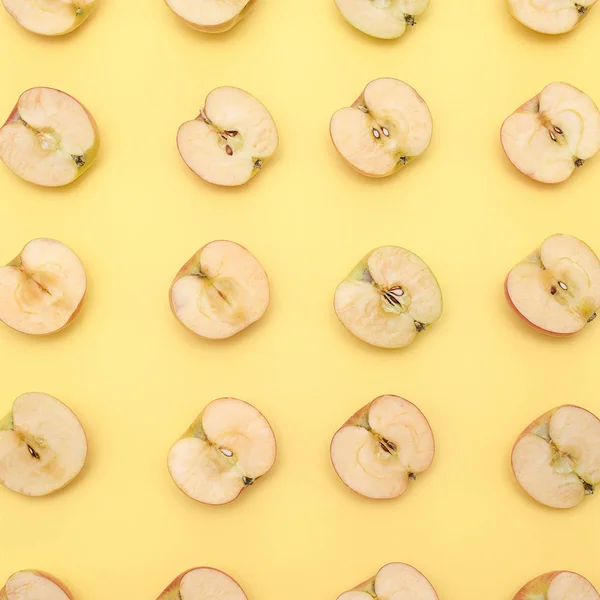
x,y
552,136
228,150
376,133
553,290
558,130
385,132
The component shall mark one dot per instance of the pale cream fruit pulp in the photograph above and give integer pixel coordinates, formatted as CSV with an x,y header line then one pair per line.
x,y
211,16
50,17
50,139
558,585
33,585
557,458
553,134
388,298
42,446
395,581
557,288
382,447
550,16
42,289
385,129
231,140
220,291
203,583
225,450
386,19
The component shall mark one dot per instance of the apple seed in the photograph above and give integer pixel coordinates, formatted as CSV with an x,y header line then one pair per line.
x,y
376,133
553,290
563,285
385,132
228,150
558,130
552,136
33,453
231,133
226,452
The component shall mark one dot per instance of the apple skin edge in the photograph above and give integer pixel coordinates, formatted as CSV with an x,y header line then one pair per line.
x,y
60,584
538,586
171,592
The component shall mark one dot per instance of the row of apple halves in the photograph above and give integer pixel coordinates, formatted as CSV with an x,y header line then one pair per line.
x,y
50,139
377,453
393,580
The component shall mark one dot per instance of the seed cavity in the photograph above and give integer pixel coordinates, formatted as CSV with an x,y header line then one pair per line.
x,y
579,162
228,150
552,136
33,453
258,164
592,318
563,285
410,20
247,481
420,326
79,160
376,133
228,453
553,290
385,131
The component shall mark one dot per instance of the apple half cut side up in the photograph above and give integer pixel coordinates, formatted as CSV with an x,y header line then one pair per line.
x,y
211,16
553,134
50,139
34,585
42,446
203,583
225,450
50,17
220,291
388,298
42,289
558,585
381,448
394,580
556,289
556,460
550,16
231,140
387,127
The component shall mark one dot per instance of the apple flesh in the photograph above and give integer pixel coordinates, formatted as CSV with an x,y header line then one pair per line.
x,y
42,446
385,19
231,140
552,134
389,297
387,127
42,289
395,581
50,17
220,291
34,585
203,583
550,16
49,139
382,447
556,289
558,585
556,460
225,450
211,16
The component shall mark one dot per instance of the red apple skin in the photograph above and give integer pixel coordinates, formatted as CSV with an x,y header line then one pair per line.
x,y
171,592
356,418
58,582
532,325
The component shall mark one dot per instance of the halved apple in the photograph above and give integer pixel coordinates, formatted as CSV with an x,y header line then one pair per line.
x,y
382,447
50,17
389,297
394,581
34,585
556,460
231,140
203,583
42,446
558,585
225,450
552,134
387,127
220,291
386,19
211,16
556,289
550,16
42,289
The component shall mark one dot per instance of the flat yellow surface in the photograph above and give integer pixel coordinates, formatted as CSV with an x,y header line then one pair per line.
x,y
137,378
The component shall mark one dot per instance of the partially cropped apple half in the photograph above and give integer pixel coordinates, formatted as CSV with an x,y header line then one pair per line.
x,y
388,298
382,447
386,19
556,289
552,134
395,581
50,17
558,585
387,127
550,16
211,16
231,140
203,583
220,291
556,460
224,451
34,585
42,289
42,445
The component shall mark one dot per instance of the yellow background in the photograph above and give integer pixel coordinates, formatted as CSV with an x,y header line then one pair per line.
x,y
137,379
